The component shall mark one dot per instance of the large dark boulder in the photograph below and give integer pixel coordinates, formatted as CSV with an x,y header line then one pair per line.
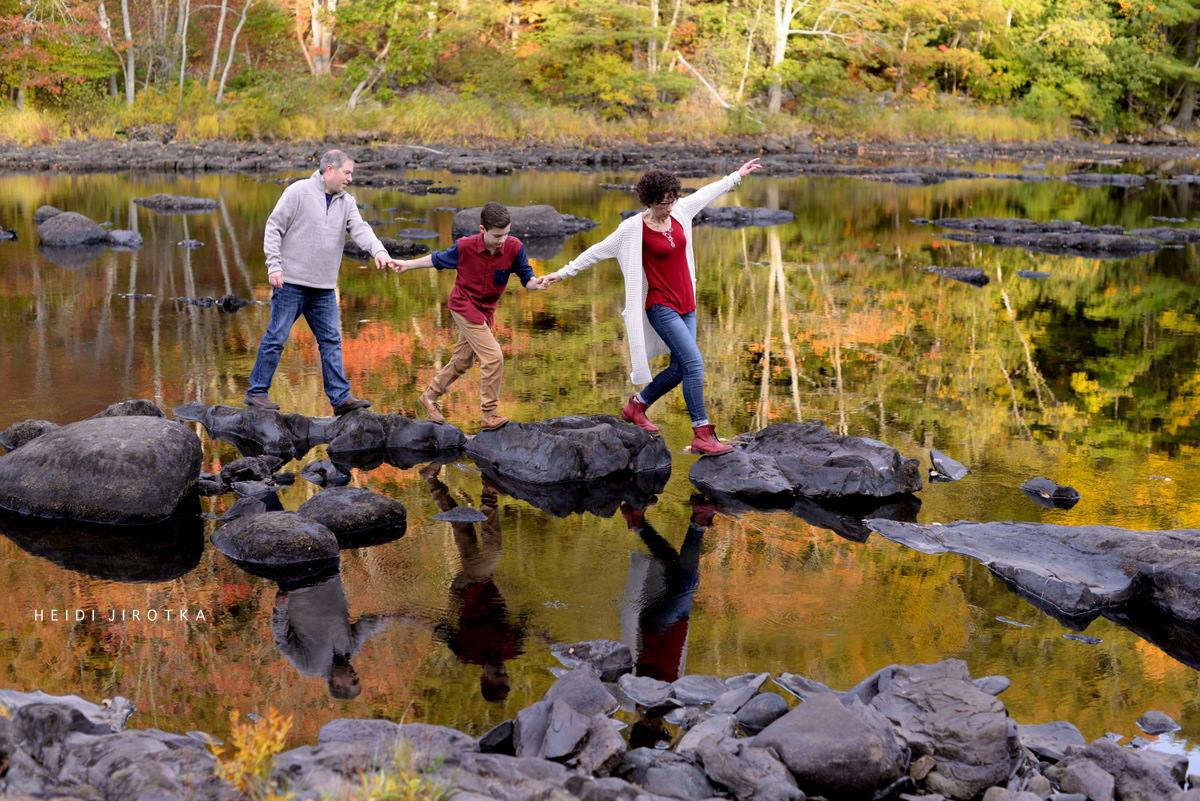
x,y
1136,775
840,749
276,539
806,459
44,213
396,249
255,432
125,470
133,407
937,710
569,449
364,431
70,229
350,512
20,433
169,203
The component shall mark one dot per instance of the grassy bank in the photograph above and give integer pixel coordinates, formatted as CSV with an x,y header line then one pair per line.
x,y
308,111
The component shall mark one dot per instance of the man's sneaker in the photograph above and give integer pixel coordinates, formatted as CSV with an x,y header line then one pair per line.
x,y
492,422
349,405
429,404
261,402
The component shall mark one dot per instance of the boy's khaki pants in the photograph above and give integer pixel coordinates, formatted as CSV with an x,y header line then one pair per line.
x,y
475,341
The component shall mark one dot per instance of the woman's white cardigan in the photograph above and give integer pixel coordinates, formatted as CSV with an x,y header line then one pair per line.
x,y
625,245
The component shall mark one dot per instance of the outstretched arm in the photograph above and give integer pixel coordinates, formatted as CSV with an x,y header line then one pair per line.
x,y
690,205
604,249
442,259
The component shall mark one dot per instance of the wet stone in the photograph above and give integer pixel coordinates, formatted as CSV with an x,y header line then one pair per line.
x,y
1155,722
696,690
275,538
1046,493
460,514
761,711
25,431
608,658
644,690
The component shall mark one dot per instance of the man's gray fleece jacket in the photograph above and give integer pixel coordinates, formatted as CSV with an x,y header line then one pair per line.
x,y
304,239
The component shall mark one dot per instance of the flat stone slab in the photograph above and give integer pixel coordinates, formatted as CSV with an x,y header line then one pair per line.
x,y
528,222
168,203
569,450
805,459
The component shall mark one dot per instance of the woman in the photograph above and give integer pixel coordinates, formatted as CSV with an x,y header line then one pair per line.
x,y
654,249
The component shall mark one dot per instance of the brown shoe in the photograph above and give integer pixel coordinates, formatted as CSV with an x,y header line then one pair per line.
x,y
493,422
261,402
349,405
429,404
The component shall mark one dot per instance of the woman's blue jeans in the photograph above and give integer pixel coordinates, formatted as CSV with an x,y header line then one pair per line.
x,y
678,331
320,310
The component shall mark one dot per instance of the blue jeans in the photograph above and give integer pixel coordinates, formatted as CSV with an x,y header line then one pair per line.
x,y
678,331
320,310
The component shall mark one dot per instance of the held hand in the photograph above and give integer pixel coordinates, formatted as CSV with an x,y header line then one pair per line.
x,y
395,265
534,284
275,279
382,260
550,280
749,167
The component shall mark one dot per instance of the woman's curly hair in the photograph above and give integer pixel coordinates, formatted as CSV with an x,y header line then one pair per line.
x,y
657,185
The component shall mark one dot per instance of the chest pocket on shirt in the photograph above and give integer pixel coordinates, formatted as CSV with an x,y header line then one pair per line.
x,y
501,277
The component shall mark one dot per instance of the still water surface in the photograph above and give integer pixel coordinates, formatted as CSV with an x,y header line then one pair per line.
x,y
1090,377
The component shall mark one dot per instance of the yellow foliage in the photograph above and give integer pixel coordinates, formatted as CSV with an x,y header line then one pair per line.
x,y
29,127
245,763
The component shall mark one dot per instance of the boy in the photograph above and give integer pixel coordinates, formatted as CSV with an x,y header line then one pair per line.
x,y
484,263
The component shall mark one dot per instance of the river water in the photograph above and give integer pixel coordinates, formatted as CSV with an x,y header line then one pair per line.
x,y
1090,377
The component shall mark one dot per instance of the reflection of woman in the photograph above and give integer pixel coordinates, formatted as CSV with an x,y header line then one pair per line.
x,y
654,249
483,633
313,630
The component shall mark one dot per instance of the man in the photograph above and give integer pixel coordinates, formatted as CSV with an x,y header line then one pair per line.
x,y
303,245
484,263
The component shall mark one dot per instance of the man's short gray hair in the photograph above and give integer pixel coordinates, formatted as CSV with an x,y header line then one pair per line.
x,y
333,158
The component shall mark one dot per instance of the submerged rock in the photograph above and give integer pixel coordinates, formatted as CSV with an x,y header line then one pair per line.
x,y
608,658
325,473
126,470
350,511
168,203
945,468
1065,237
967,275
569,450
1047,493
71,229
805,459
225,303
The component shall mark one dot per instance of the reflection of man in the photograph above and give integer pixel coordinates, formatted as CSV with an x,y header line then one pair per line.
x,y
313,630
663,586
303,245
483,634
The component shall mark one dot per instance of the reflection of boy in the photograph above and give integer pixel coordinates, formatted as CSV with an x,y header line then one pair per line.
x,y
313,630
483,634
484,263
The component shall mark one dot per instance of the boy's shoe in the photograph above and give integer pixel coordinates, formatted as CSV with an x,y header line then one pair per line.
x,y
705,441
350,404
429,404
635,412
492,422
261,402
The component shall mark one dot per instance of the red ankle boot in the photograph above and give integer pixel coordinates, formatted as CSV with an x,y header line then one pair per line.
x,y
706,443
635,412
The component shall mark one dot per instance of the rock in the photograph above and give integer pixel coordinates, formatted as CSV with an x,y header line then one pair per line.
x,y
967,275
250,468
569,449
947,469
7,234
549,730
364,431
325,473
175,203
1085,777
604,747
806,459
499,739
937,709
644,690
1047,493
1050,741
739,217
20,433
609,659
1105,179
253,489
70,229
749,773
1035,274
44,213
460,514
1155,722
256,432
528,222
190,244
126,470
1137,776
417,233
697,690
276,538
582,690
761,711
601,498
993,685
226,303
1065,237
1003,794
81,715
130,408
349,511
833,749
664,773
124,240
717,727
395,248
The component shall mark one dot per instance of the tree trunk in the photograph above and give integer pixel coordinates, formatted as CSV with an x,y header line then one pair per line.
x,y
785,12
185,10
666,45
130,87
232,48
652,43
216,46
1187,101
322,35
750,34
299,28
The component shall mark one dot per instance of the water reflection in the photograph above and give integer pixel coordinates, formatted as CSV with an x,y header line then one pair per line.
x,y
478,627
